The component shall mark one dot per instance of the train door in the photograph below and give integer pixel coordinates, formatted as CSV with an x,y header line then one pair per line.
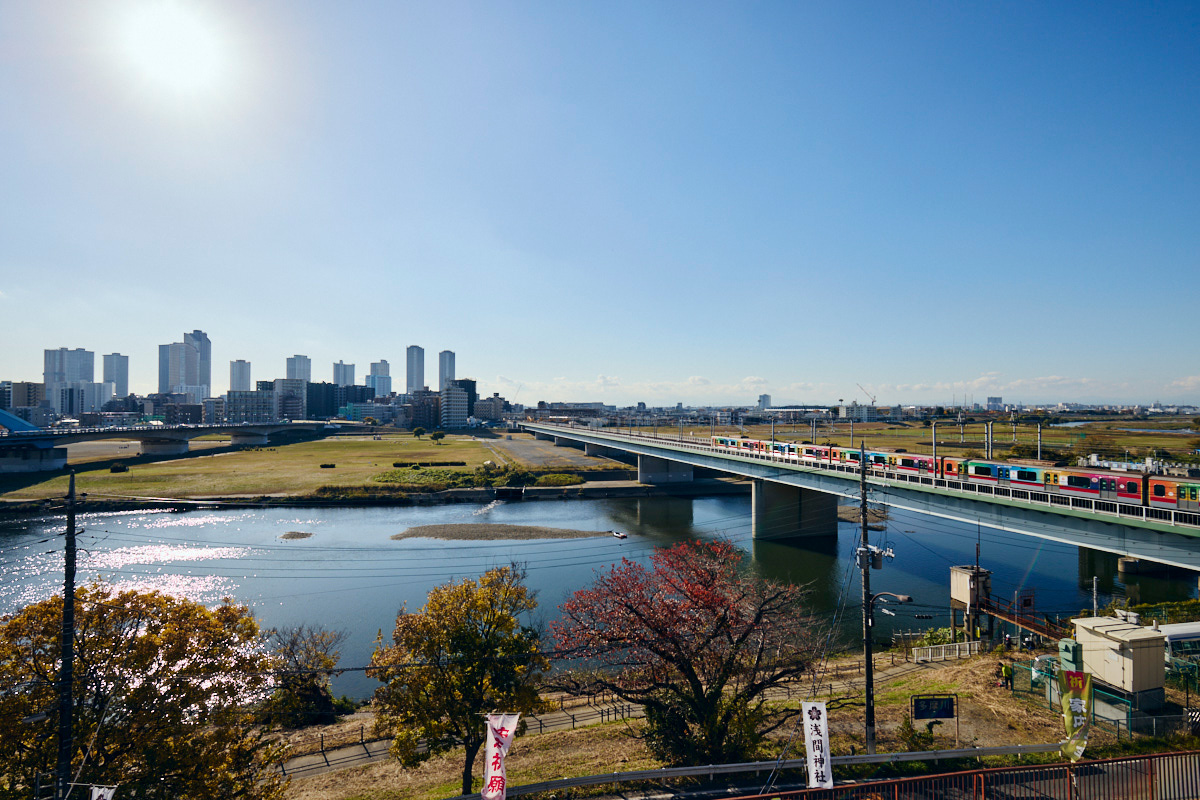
x,y
1050,481
1002,476
1189,497
1108,488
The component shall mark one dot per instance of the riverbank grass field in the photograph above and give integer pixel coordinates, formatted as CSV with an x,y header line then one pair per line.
x,y
292,470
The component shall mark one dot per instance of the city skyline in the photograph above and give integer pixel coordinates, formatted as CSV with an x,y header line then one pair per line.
x,y
697,204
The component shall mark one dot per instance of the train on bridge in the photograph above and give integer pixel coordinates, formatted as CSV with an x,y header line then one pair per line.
x,y
1166,492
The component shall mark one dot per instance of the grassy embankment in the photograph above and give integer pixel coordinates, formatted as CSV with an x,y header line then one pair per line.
x,y
292,470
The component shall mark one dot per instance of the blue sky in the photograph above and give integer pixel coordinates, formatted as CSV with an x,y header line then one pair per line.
x,y
661,202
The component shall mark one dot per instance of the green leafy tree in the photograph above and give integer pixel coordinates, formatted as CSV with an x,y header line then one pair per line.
x,y
418,432
306,657
463,655
162,689
437,436
694,640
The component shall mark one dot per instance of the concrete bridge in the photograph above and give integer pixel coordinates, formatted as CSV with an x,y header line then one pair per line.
x,y
800,499
36,450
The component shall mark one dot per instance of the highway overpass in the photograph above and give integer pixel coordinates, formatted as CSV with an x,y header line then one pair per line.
x,y
38,450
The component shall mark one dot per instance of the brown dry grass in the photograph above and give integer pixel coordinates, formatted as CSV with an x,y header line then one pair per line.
x,y
586,751
990,716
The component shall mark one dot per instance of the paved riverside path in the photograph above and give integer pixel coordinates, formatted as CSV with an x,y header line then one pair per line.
x,y
373,750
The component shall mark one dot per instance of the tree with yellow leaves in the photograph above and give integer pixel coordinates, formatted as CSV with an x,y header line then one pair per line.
x,y
465,654
163,689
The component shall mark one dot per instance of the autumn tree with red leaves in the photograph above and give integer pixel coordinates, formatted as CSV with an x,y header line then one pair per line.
x,y
697,642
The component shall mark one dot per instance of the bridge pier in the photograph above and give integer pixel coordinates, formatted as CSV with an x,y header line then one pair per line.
x,y
560,441
780,511
161,447
662,470
543,437
33,459
246,439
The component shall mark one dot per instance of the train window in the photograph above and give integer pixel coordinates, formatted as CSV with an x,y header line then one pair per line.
x,y
1026,475
1131,487
985,471
1078,481
1160,490
907,462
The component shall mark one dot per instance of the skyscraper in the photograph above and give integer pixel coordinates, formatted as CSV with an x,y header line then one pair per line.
x,y
239,376
380,378
63,365
186,367
116,372
63,368
445,368
343,374
200,341
299,368
416,368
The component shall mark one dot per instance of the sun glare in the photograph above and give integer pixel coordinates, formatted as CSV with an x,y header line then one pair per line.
x,y
175,47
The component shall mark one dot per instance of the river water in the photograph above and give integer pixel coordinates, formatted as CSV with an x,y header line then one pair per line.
x,y
351,575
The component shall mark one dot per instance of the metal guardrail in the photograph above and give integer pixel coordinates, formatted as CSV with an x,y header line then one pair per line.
x,y
712,770
1120,510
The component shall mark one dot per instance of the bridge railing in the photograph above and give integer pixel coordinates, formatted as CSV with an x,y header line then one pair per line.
x,y
1026,496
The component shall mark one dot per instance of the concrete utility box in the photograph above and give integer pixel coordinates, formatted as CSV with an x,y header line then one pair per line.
x,y
969,585
1125,656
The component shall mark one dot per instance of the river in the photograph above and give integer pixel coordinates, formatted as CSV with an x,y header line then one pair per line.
x,y
351,575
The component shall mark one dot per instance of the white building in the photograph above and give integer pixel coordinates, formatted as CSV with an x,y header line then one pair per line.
x,y
239,376
415,357
380,378
445,368
63,367
299,368
343,374
116,372
454,407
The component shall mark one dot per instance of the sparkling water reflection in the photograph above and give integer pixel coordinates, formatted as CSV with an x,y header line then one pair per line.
x,y
351,575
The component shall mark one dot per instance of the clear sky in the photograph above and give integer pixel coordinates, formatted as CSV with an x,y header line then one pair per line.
x,y
644,201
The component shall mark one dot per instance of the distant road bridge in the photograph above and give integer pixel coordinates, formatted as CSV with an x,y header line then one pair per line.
x,y
800,499
38,450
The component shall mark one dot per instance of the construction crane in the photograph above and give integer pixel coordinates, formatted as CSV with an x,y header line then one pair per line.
x,y
868,394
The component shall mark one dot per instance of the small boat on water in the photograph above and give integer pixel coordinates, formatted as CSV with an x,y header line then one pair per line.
x,y
620,534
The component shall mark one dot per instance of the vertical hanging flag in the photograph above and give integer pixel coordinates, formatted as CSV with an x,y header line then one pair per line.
x,y
501,728
1076,698
816,741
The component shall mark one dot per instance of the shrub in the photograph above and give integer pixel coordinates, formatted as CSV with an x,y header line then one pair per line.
x,y
558,479
328,466
119,467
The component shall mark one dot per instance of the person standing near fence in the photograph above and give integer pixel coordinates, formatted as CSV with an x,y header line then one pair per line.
x,y
1006,672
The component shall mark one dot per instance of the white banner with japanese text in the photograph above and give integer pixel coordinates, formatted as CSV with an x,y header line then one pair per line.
x,y
501,728
816,742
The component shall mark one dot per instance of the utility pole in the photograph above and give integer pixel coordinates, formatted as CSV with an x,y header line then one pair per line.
x,y
62,781
937,472
1039,440
864,561
1094,581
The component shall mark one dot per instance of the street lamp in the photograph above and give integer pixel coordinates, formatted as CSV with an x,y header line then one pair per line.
x,y
869,667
